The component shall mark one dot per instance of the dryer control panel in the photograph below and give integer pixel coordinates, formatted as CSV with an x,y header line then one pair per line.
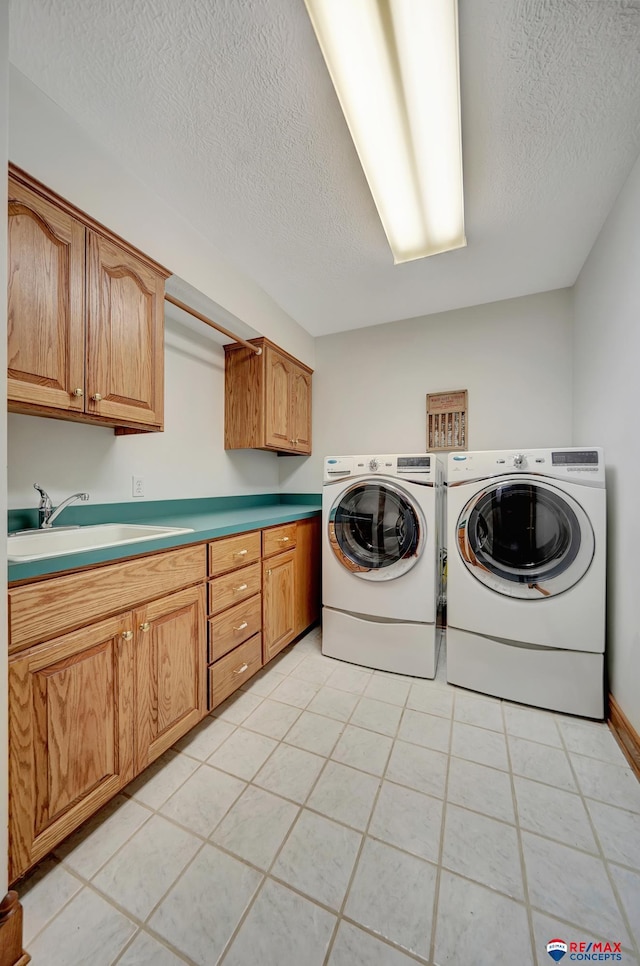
x,y
411,466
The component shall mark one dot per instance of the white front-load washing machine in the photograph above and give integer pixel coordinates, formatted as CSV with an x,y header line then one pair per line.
x,y
381,530
526,576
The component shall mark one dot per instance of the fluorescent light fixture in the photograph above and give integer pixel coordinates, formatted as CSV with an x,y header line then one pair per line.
x,y
394,65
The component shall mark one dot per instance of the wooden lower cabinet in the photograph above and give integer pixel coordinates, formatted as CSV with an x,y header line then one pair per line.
x,y
90,710
307,574
278,611
71,723
171,661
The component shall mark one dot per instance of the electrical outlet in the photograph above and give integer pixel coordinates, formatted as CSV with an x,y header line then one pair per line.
x,y
137,485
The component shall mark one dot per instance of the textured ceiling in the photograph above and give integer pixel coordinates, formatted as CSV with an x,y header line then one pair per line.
x,y
226,110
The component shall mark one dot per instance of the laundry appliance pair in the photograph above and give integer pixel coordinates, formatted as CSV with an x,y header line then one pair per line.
x,y
526,541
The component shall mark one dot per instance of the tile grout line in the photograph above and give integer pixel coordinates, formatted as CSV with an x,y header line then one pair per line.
x,y
340,915
439,868
523,867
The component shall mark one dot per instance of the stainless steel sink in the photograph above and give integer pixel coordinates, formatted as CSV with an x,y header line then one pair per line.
x,y
38,544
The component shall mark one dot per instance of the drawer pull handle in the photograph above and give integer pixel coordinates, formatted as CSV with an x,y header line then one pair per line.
x,y
127,635
241,627
240,553
283,539
241,669
145,626
240,587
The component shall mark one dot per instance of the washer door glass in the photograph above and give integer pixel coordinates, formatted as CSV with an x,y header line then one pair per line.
x,y
525,539
376,530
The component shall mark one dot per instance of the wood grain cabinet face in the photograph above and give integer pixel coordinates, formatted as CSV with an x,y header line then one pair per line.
x,y
71,726
301,410
46,303
267,400
91,707
278,614
278,401
171,661
86,316
124,335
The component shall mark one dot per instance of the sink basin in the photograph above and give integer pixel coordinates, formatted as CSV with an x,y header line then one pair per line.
x,y
38,544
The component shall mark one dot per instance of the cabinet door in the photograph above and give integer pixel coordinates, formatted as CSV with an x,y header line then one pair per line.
x,y
307,570
71,723
46,304
171,671
278,624
301,410
125,326
278,401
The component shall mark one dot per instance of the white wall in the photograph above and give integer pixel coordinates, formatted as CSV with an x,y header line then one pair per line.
x,y
187,460
606,353
370,385
4,785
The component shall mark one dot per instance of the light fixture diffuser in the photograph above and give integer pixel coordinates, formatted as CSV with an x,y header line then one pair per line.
x,y
394,65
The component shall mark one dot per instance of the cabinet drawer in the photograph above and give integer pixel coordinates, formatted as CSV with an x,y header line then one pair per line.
x,y
232,552
232,670
234,626
233,588
278,539
45,609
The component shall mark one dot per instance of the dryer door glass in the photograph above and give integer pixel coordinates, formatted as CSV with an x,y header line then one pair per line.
x,y
525,539
376,531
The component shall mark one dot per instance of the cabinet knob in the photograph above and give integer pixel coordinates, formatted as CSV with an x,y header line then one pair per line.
x,y
96,397
268,573
283,539
145,626
127,635
293,442
78,392
241,669
240,627
240,553
240,587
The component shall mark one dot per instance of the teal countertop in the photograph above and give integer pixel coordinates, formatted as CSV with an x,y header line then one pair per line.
x,y
208,518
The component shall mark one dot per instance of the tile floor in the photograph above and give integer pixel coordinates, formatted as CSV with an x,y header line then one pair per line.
x,y
327,814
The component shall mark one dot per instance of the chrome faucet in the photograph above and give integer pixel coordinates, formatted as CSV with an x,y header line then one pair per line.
x,y
46,513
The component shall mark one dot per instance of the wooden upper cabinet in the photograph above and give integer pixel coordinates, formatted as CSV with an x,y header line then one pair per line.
x,y
301,410
45,303
267,400
86,316
71,734
278,400
125,327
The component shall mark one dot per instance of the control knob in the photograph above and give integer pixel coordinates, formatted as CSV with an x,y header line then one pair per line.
x,y
374,465
519,460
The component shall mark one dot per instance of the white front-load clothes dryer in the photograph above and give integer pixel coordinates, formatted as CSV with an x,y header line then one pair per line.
x,y
526,537
380,561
